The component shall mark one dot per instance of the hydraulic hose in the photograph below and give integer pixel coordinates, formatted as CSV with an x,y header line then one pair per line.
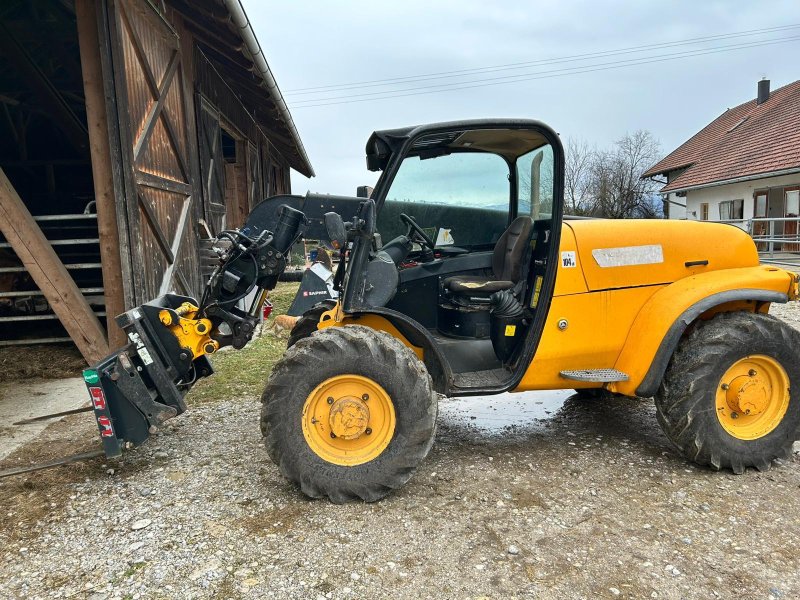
x,y
503,304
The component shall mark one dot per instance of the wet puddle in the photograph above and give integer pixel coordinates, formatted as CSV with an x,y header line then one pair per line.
x,y
495,414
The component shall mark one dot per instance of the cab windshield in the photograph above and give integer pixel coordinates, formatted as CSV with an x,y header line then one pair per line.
x,y
464,187
459,199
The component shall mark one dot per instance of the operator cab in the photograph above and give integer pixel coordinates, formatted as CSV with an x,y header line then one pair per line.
x,y
464,222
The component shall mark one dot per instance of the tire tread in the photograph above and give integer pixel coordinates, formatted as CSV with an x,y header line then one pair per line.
x,y
690,382
302,361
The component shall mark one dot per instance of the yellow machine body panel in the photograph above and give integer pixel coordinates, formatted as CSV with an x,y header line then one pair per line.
x,y
621,285
666,306
570,279
583,331
335,317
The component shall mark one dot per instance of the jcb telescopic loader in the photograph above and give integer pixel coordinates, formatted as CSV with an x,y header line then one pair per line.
x,y
460,276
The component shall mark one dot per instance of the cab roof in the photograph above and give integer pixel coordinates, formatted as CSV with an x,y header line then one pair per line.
x,y
483,135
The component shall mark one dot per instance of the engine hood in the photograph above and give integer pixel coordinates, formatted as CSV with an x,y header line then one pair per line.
x,y
631,253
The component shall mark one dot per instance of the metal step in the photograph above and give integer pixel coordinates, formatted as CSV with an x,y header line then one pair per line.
x,y
595,375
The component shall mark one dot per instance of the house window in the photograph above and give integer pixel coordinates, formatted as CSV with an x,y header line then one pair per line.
x,y
761,204
704,211
792,202
731,210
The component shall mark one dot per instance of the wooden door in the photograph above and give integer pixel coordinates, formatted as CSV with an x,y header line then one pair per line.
x,y
760,228
775,210
236,189
156,156
212,164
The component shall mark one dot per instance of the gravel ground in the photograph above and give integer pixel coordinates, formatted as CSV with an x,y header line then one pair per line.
x,y
789,312
574,499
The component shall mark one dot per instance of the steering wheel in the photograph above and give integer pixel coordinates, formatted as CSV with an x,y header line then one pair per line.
x,y
413,227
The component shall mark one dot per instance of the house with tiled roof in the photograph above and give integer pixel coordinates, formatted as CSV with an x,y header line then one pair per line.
x,y
745,164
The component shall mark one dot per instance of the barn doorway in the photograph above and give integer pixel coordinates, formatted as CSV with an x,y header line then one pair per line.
x,y
45,155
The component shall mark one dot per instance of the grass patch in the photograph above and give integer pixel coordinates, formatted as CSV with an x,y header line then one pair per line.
x,y
282,296
131,570
243,373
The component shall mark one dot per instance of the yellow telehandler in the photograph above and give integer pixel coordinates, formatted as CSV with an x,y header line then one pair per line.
x,y
461,276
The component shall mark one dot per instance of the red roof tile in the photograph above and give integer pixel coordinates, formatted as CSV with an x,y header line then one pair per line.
x,y
750,139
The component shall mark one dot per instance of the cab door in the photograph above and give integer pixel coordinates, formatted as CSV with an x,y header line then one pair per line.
x,y
529,180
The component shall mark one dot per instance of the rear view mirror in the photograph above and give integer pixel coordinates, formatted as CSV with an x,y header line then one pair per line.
x,y
336,231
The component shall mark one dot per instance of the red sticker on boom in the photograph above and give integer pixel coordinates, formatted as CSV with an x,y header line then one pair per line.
x,y
105,426
98,398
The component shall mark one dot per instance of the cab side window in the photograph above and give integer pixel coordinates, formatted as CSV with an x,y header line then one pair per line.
x,y
535,183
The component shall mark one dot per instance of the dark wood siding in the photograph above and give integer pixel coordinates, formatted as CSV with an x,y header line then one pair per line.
x,y
171,106
212,169
268,170
159,187
184,123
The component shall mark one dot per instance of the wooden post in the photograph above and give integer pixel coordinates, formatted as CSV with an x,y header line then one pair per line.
x,y
49,273
97,121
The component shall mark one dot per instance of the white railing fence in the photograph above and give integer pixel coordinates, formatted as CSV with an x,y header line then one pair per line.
x,y
777,239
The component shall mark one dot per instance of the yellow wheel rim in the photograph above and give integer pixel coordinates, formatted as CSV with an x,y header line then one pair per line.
x,y
752,397
348,420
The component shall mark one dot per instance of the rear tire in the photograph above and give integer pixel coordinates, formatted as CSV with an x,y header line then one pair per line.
x,y
693,406
307,324
290,400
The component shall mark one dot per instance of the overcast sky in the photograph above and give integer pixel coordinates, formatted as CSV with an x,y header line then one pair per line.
x,y
316,43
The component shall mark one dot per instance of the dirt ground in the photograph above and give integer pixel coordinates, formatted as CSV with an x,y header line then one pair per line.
x,y
529,496
42,362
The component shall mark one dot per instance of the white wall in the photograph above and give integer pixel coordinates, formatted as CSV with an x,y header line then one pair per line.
x,y
734,191
675,210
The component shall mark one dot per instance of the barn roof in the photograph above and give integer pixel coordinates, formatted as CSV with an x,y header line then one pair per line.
x,y
223,31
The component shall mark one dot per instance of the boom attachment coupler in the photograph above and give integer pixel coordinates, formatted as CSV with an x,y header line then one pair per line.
x,y
138,387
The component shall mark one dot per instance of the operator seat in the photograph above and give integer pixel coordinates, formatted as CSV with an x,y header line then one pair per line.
x,y
507,259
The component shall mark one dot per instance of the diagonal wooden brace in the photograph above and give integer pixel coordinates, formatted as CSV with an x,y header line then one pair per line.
x,y
49,273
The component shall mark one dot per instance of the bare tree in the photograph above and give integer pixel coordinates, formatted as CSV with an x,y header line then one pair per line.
x,y
599,183
577,176
616,185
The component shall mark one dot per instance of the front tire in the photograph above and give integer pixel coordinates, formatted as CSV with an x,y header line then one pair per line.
x,y
730,398
349,413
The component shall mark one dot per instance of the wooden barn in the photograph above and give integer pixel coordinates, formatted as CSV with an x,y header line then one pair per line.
x,y
131,130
